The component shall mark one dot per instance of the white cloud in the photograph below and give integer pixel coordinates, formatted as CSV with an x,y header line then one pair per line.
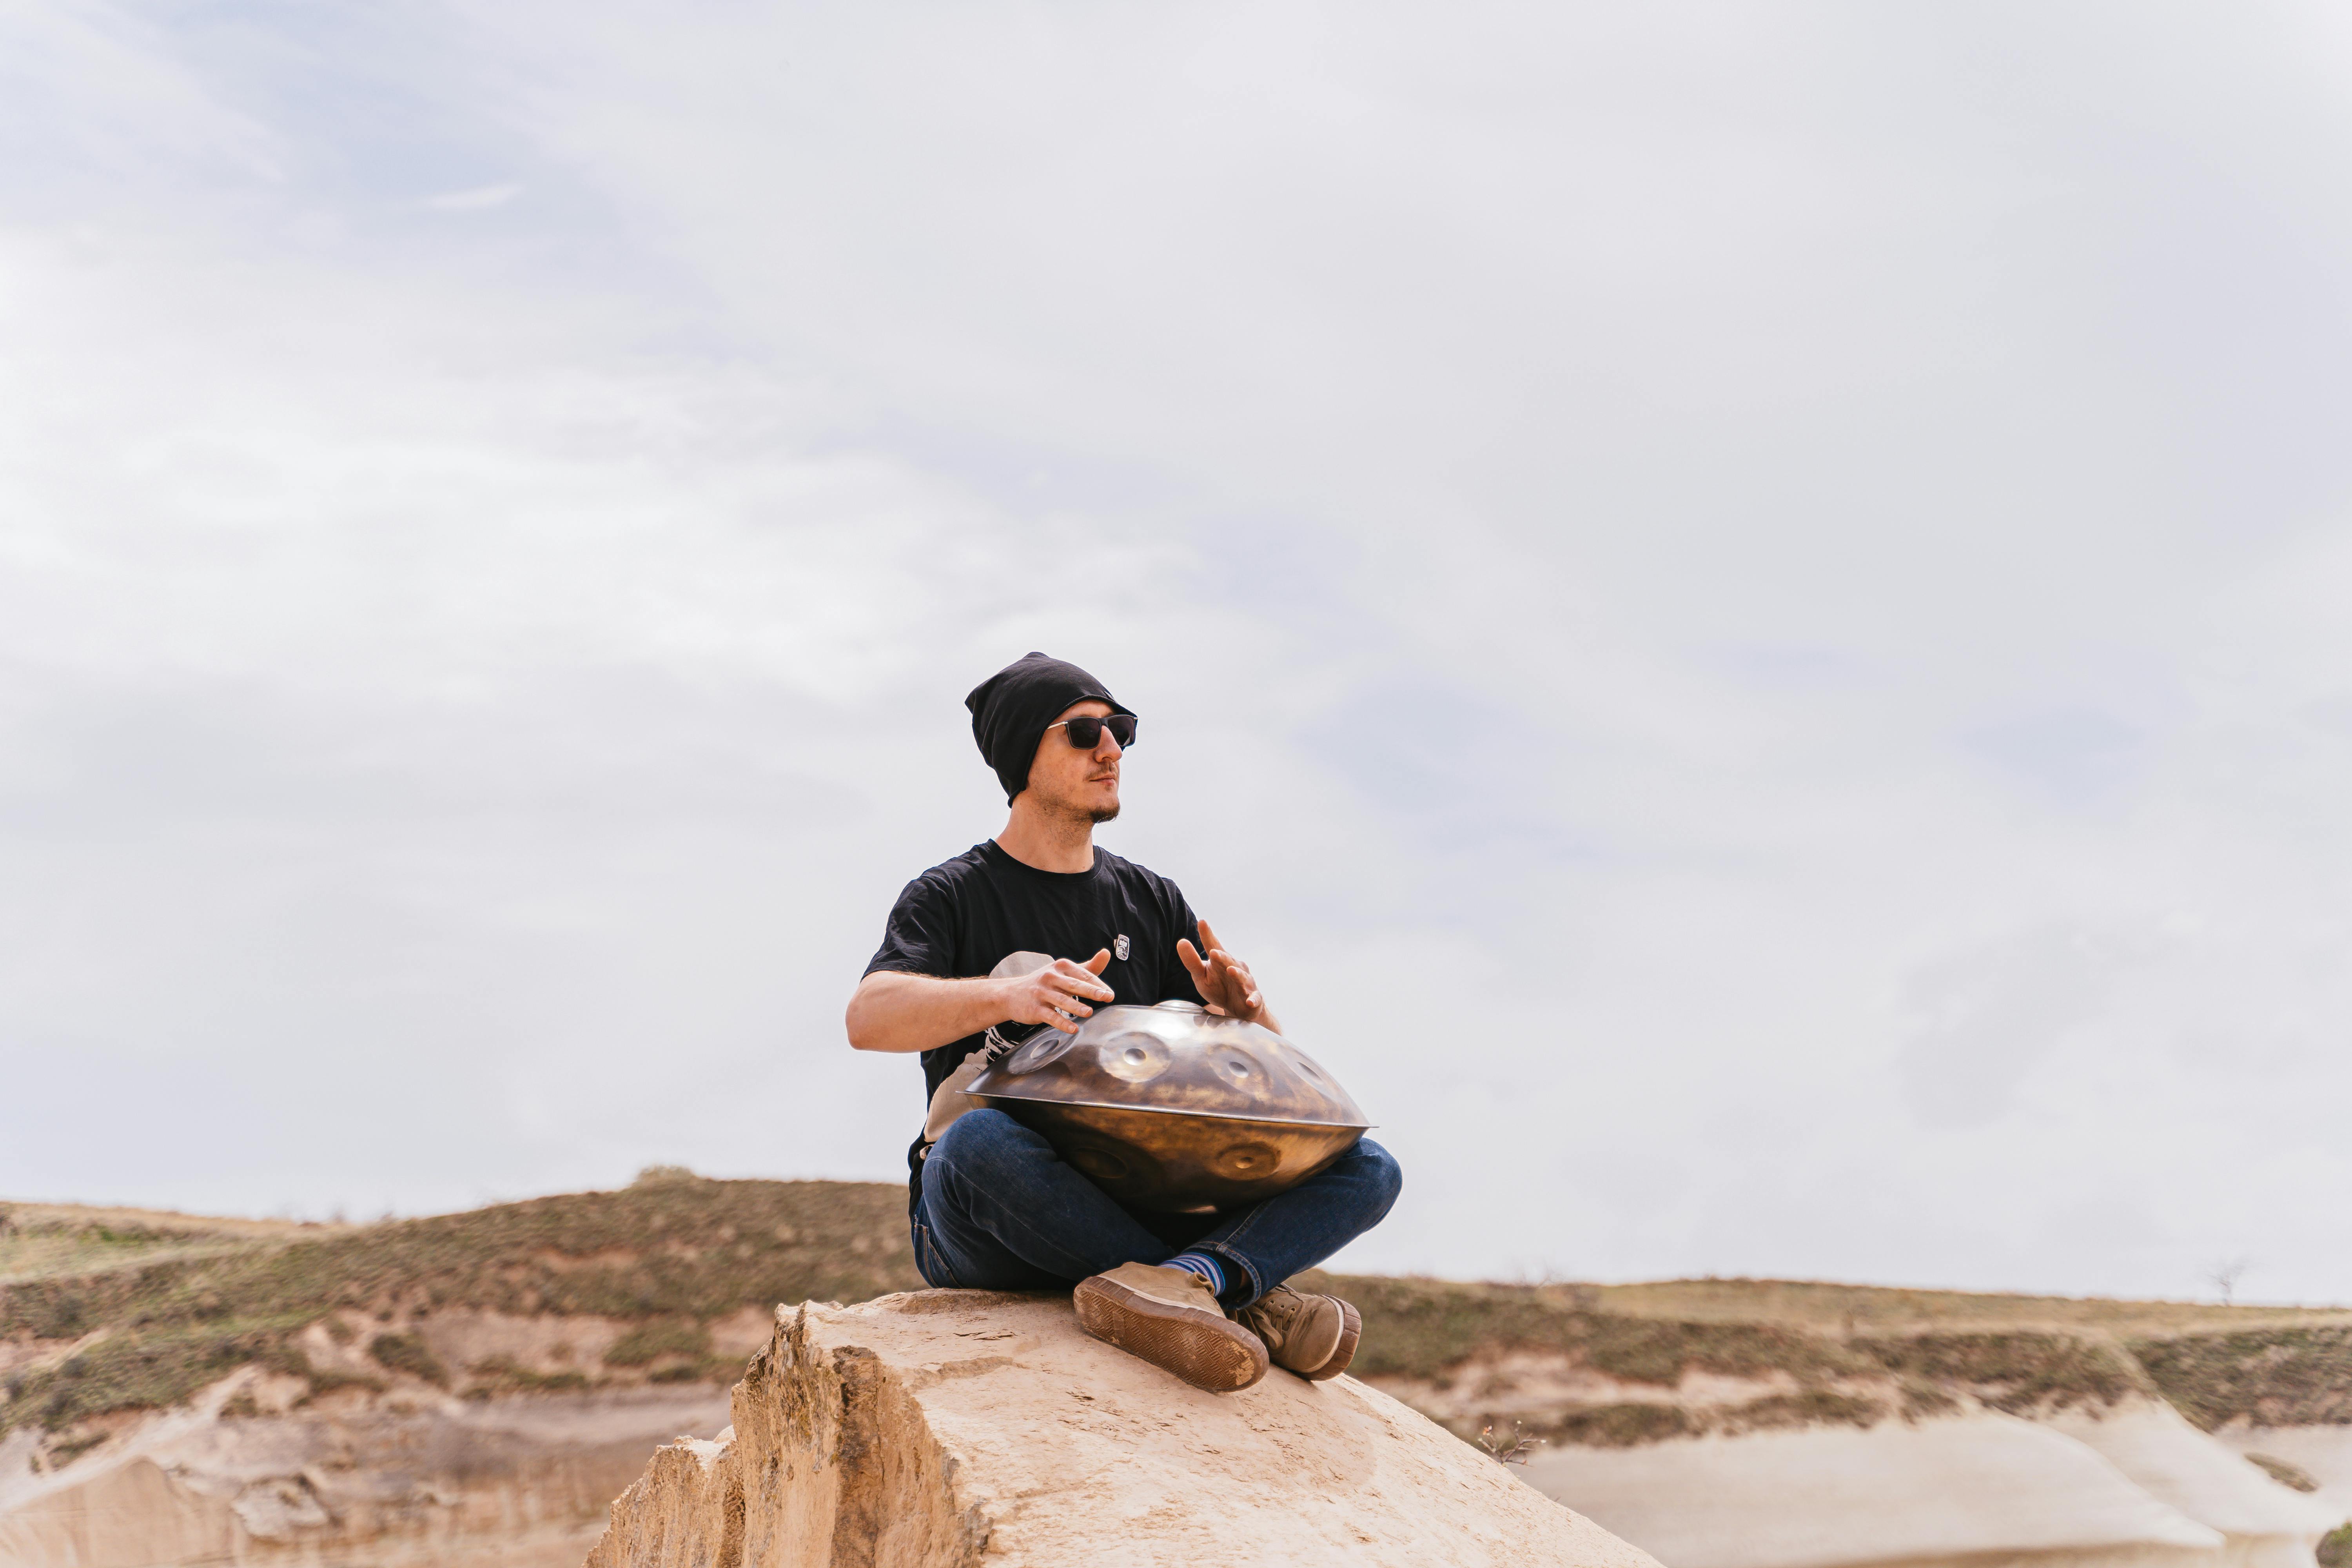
x,y
481,198
1742,612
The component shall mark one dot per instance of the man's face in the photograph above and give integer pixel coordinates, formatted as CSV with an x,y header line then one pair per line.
x,y
1068,782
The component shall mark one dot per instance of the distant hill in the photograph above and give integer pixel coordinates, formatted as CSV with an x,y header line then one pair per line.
x,y
476,1387
1610,1365
105,1310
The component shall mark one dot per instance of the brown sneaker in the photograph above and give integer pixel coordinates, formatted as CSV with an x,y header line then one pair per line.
x,y
1314,1336
1171,1318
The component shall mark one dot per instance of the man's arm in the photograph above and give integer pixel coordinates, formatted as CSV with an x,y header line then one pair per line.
x,y
1224,981
893,1011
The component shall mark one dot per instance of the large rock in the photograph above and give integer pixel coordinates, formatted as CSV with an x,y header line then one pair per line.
x,y
948,1428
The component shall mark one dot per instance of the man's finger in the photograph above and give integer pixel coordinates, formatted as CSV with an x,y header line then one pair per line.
x,y
1083,979
1061,1007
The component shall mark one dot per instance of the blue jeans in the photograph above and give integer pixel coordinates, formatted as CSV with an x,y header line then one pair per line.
x,y
1000,1211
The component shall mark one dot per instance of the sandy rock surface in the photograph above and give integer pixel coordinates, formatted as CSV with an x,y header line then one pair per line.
x,y
946,1427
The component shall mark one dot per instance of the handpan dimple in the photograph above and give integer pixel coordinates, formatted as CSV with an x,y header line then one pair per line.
x,y
1044,1051
1247,1162
1239,1071
1134,1056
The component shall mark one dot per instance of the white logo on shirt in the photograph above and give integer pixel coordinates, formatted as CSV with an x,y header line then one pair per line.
x,y
1118,947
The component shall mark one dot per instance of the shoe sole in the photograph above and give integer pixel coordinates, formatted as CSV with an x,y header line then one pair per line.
x,y
1352,1330
1212,1353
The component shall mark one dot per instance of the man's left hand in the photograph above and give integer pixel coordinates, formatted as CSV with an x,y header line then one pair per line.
x,y
1223,981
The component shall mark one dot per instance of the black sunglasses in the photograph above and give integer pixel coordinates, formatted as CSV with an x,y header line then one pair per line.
x,y
1085,732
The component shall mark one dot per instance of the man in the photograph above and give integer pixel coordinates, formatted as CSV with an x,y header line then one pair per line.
x,y
992,938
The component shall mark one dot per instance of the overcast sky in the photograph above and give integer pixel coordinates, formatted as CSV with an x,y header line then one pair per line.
x,y
1746,611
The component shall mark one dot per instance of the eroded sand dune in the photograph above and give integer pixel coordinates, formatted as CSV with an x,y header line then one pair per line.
x,y
2263,1524
2136,1487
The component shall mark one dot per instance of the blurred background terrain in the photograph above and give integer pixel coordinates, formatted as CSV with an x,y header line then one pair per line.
x,y
475,1388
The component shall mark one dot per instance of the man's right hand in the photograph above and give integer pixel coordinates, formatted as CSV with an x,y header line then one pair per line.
x,y
1058,993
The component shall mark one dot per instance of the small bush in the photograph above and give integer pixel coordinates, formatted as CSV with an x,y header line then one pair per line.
x,y
1625,1426
327,1380
1515,1449
2284,1474
504,1374
1923,1400
411,1354
2336,1547
649,1342
66,1318
66,1452
1814,1407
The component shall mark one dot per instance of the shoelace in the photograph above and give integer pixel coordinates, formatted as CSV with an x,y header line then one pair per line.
x,y
1000,1046
1278,1316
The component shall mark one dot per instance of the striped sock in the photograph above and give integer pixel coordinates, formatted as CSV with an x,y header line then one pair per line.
x,y
1201,1264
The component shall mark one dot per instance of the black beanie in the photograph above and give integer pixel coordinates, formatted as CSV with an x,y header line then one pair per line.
x,y
1010,708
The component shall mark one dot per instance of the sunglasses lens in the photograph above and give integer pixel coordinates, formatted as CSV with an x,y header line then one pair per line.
x,y
1086,733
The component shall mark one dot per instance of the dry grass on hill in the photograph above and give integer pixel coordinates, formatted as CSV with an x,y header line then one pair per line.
x,y
1876,1308
108,1310
1813,1355
39,1240
153,1314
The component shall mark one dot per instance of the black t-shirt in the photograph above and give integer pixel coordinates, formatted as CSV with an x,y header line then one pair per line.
x,y
963,917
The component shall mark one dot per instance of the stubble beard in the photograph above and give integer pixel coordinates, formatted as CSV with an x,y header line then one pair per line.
x,y
1074,812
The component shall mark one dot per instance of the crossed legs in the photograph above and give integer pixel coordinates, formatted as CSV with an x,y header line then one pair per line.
x,y
1001,1211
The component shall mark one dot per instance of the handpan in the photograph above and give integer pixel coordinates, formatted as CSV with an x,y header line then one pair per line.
x,y
1173,1108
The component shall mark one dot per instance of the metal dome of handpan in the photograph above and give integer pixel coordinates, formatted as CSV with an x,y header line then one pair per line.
x,y
1174,1108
